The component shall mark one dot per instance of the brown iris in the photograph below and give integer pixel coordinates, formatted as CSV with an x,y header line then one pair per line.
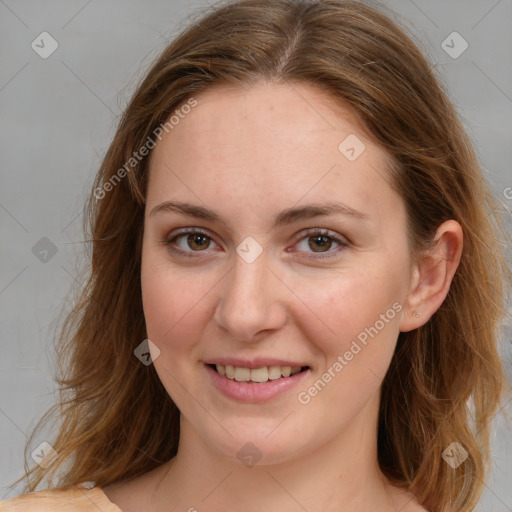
x,y
198,242
323,241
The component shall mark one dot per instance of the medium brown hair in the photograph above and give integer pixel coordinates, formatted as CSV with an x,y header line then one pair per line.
x,y
445,380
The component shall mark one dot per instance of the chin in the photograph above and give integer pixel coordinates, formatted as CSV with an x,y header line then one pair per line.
x,y
256,445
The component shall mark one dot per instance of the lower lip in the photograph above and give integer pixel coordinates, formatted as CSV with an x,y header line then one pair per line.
x,y
253,391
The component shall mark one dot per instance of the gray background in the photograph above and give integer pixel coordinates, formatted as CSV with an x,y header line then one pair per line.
x,y
60,113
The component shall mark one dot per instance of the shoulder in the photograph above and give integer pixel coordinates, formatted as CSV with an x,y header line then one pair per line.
x,y
76,499
404,500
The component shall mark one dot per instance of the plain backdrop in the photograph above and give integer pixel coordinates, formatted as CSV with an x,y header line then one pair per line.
x,y
58,116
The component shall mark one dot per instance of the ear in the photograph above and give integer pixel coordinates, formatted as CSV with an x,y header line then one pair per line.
x,y
432,276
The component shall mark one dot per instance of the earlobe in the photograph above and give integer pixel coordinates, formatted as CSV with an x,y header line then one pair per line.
x,y
433,275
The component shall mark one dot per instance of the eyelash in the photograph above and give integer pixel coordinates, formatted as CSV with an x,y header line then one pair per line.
x,y
308,234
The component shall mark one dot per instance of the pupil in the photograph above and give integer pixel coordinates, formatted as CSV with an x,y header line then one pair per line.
x,y
322,240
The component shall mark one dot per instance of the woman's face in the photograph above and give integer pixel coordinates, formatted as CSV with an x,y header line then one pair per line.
x,y
257,286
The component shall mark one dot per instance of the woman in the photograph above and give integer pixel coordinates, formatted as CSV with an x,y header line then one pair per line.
x,y
296,286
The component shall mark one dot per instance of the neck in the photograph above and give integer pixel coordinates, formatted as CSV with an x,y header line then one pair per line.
x,y
341,474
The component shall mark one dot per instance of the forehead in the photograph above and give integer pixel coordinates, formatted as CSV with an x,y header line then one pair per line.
x,y
306,112
269,143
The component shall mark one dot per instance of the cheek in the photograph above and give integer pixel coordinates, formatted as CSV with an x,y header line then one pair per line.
x,y
174,304
175,315
362,315
363,306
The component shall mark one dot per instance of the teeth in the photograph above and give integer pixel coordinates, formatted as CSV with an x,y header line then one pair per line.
x,y
274,372
257,374
230,371
242,374
286,370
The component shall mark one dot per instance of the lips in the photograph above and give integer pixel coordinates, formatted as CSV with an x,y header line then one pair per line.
x,y
257,370
255,380
258,362
256,375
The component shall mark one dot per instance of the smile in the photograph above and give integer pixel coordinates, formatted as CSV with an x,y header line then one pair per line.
x,y
255,384
257,375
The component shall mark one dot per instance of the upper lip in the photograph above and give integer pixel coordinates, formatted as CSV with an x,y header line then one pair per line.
x,y
257,362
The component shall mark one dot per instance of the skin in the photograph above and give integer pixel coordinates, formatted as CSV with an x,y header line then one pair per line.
x,y
248,155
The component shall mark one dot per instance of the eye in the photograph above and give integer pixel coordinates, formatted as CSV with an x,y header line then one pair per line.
x,y
188,241
321,241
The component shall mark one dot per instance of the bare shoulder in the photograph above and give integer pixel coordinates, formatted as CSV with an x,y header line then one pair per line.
x,y
127,495
133,495
50,500
406,501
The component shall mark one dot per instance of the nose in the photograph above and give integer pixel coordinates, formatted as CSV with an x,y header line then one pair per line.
x,y
250,301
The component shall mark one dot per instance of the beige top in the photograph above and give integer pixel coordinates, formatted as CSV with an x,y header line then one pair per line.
x,y
82,498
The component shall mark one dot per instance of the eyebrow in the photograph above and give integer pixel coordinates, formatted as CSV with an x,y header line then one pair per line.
x,y
285,217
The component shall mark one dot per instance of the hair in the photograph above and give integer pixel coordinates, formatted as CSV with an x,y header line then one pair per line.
x,y
445,381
